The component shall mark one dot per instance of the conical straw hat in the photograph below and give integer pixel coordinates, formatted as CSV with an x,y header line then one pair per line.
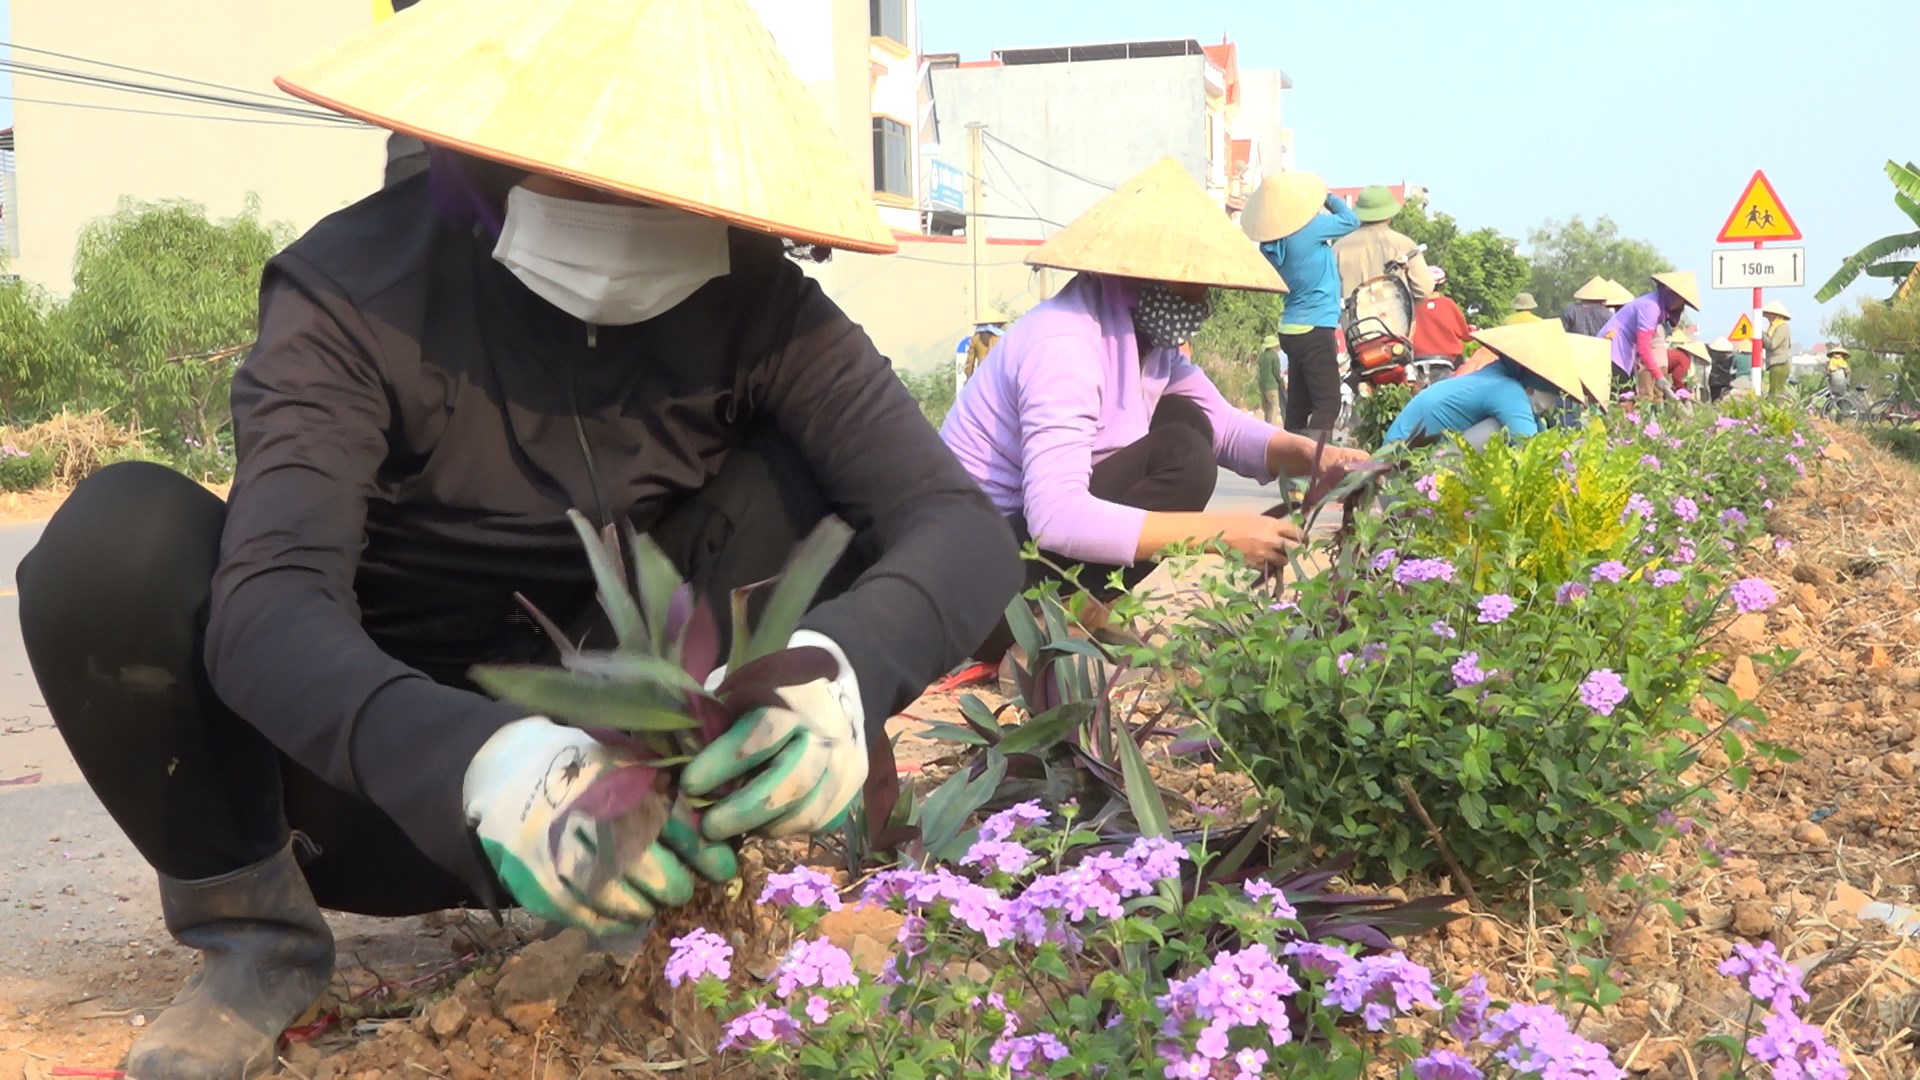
x,y
1543,347
1593,357
685,103
1594,289
1683,284
1775,307
1283,204
1618,295
1695,350
1159,226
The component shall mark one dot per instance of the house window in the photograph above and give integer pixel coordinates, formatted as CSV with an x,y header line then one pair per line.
x,y
889,19
892,158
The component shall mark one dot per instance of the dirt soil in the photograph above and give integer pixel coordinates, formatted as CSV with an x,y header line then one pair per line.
x,y
1806,849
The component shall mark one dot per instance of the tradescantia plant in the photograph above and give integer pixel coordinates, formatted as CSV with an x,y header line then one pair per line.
x,y
648,695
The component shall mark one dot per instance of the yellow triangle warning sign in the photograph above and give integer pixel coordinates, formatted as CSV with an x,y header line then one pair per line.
x,y
1742,330
1759,215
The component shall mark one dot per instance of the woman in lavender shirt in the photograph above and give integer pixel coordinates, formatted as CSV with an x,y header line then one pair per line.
x,y
1088,427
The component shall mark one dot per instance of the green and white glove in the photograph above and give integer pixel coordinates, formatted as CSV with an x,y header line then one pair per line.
x,y
524,779
808,761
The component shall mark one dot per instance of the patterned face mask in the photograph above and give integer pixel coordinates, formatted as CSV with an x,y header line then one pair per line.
x,y
1167,321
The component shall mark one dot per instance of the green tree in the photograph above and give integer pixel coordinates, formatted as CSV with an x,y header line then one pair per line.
x,y
33,379
1883,258
1228,344
1884,337
164,305
1567,253
1483,273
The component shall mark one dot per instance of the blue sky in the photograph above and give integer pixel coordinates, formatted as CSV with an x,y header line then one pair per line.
x,y
1652,112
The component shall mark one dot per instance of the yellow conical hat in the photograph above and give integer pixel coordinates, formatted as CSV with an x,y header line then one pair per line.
x,y
1282,205
1618,295
1594,358
1543,347
685,103
1159,226
1683,285
1594,289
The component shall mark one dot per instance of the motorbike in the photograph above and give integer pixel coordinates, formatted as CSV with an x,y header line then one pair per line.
x,y
1377,323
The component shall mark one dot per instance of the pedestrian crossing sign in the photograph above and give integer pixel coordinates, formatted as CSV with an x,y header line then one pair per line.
x,y
1742,330
1759,215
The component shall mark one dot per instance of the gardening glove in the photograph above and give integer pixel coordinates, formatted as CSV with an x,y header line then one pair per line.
x,y
522,782
807,761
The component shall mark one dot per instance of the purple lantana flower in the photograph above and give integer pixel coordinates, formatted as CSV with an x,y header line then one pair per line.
x,y
1686,509
1752,594
1466,670
1415,570
1611,570
1445,1065
1664,578
1378,988
1568,593
698,954
1441,629
801,887
1495,607
1603,691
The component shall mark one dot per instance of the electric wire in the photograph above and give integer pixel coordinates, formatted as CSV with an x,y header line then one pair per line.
x,y
191,96
177,115
143,71
1061,169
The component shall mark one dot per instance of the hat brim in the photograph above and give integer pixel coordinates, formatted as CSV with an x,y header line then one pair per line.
x,y
1683,285
1372,214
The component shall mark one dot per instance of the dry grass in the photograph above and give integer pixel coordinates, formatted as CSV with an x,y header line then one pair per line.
x,y
79,443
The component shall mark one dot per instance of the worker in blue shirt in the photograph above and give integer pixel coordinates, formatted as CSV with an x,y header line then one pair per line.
x,y
1285,217
1539,366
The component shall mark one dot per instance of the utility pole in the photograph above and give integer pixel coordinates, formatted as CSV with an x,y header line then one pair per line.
x,y
976,227
976,245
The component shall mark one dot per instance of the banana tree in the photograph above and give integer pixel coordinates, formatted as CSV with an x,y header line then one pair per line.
x,y
1886,257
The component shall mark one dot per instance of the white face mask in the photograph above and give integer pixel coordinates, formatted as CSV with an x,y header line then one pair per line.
x,y
1544,402
609,264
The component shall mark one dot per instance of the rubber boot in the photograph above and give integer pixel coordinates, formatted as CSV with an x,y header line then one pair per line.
x,y
266,955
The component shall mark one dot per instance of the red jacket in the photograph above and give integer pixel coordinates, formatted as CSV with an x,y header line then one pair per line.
x,y
1439,328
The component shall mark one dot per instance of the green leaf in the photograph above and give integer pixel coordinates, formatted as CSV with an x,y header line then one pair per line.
x,y
656,579
581,700
960,733
1026,629
798,584
946,811
635,667
976,710
1047,730
618,603
1047,961
815,1057
1143,795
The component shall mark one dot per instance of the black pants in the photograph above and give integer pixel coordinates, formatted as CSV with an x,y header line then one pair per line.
x,y
113,612
1171,470
1313,380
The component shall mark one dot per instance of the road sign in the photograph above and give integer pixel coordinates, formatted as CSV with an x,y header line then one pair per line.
x,y
1759,215
944,191
1760,268
1742,330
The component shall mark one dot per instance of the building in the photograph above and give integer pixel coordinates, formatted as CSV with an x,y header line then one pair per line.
x,y
1064,125
86,143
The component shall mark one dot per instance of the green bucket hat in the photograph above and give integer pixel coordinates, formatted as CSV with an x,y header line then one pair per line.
x,y
1271,341
1376,203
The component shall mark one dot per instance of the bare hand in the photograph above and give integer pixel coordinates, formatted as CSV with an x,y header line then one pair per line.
x,y
1342,455
1264,541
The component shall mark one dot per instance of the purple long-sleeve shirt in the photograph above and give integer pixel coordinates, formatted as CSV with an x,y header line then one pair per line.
x,y
1068,386
1631,331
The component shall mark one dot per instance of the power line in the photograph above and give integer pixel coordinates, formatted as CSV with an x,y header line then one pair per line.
x,y
1022,192
1061,169
177,115
105,83
143,71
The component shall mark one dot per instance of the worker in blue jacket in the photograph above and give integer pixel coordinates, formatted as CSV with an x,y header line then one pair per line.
x,y
1539,367
1295,220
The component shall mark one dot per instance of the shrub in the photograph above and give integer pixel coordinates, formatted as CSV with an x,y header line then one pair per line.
x,y
23,470
934,390
1375,413
1500,673
1901,441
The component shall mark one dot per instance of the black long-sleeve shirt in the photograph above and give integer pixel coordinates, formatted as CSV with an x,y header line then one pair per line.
x,y
412,427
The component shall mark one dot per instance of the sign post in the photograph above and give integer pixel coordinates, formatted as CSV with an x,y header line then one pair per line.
x,y
1759,217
